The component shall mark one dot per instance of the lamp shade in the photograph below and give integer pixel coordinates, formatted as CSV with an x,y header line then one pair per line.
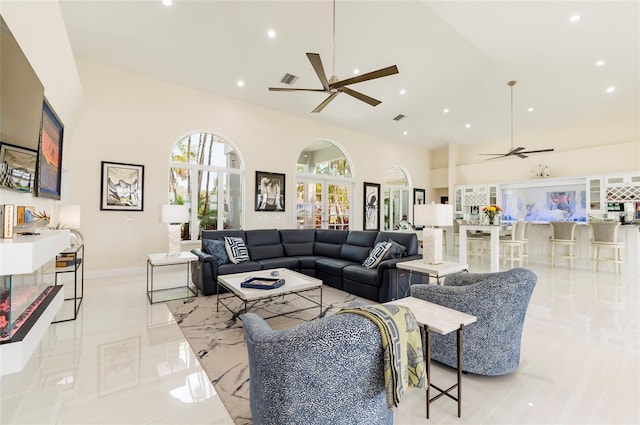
x,y
433,215
174,214
69,215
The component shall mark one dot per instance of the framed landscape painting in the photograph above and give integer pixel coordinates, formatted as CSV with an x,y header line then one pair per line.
x,y
371,219
122,187
49,164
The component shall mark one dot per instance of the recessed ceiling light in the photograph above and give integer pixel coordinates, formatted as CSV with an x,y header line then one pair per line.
x,y
574,18
356,71
403,91
240,83
467,126
271,34
530,109
167,2
445,111
405,132
600,63
611,89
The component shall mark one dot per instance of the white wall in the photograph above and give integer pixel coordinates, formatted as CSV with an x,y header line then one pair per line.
x,y
133,119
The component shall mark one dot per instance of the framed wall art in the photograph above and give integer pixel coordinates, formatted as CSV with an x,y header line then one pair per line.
x,y
371,219
270,191
49,164
17,167
419,196
122,187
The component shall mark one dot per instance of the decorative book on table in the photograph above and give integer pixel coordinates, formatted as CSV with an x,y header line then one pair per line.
x,y
262,283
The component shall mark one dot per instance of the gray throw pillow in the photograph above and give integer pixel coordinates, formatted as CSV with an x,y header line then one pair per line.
x,y
216,248
396,251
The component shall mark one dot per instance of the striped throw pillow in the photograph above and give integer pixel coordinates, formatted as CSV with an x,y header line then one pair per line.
x,y
236,249
376,254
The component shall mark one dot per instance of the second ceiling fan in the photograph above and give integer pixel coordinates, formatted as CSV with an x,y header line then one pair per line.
x,y
334,86
520,152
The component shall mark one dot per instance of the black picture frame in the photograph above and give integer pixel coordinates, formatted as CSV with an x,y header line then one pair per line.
x,y
49,164
122,187
419,196
270,191
18,168
371,203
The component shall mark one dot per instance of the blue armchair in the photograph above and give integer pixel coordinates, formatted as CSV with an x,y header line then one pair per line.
x,y
327,371
491,346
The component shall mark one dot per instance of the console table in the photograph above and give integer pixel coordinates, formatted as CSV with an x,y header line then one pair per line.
x,y
442,320
75,256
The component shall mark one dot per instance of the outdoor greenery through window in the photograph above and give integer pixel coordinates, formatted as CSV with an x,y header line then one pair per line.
x,y
323,187
205,174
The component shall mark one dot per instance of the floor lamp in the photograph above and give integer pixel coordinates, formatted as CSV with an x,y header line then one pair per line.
x,y
174,216
432,215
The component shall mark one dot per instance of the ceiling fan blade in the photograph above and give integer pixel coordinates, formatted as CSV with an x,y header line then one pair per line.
x,y
493,154
365,77
316,63
290,89
521,155
538,151
321,106
496,157
363,97
515,151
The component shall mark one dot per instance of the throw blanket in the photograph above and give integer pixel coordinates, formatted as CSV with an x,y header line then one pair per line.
x,y
402,345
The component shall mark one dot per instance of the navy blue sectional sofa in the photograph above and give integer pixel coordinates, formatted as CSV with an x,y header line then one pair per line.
x,y
334,256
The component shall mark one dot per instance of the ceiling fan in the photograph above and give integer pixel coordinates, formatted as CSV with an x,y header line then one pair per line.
x,y
334,86
520,152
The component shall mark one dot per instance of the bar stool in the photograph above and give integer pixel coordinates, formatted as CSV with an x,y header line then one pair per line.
x,y
476,243
514,244
605,235
525,241
563,234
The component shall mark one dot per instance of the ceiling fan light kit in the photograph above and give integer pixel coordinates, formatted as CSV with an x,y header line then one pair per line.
x,y
334,86
520,152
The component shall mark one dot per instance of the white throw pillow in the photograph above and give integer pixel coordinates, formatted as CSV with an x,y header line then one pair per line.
x,y
376,254
236,249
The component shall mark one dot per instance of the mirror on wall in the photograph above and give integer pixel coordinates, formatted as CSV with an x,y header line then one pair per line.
x,y
396,199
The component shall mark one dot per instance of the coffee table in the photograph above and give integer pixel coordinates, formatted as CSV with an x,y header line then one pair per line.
x,y
295,283
442,320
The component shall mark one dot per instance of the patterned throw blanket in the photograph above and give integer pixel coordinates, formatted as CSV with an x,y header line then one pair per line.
x,y
402,345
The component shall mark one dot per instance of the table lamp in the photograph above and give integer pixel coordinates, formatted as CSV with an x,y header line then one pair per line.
x,y
432,215
69,218
174,216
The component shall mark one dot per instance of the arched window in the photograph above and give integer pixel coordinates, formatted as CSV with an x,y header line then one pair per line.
x,y
396,198
324,187
205,174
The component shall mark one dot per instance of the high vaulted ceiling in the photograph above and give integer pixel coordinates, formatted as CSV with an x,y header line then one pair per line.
x,y
451,54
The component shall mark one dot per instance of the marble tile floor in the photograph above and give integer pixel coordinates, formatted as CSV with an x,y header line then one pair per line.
x,y
124,361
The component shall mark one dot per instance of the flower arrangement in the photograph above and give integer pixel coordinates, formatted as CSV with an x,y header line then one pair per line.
x,y
491,211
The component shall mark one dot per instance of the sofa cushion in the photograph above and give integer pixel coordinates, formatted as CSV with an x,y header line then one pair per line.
x,y
332,266
308,261
217,248
376,254
357,246
329,242
247,266
298,241
396,250
236,249
360,274
263,244
280,262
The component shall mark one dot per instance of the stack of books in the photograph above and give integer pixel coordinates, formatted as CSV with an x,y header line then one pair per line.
x,y
66,260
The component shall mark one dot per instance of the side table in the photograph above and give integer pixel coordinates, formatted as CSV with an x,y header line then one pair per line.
x,y
442,320
436,271
71,260
162,260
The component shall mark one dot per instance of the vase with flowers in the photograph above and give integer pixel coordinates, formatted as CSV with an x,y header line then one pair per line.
x,y
491,212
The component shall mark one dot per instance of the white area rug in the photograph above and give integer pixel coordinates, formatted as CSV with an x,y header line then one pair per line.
x,y
217,338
